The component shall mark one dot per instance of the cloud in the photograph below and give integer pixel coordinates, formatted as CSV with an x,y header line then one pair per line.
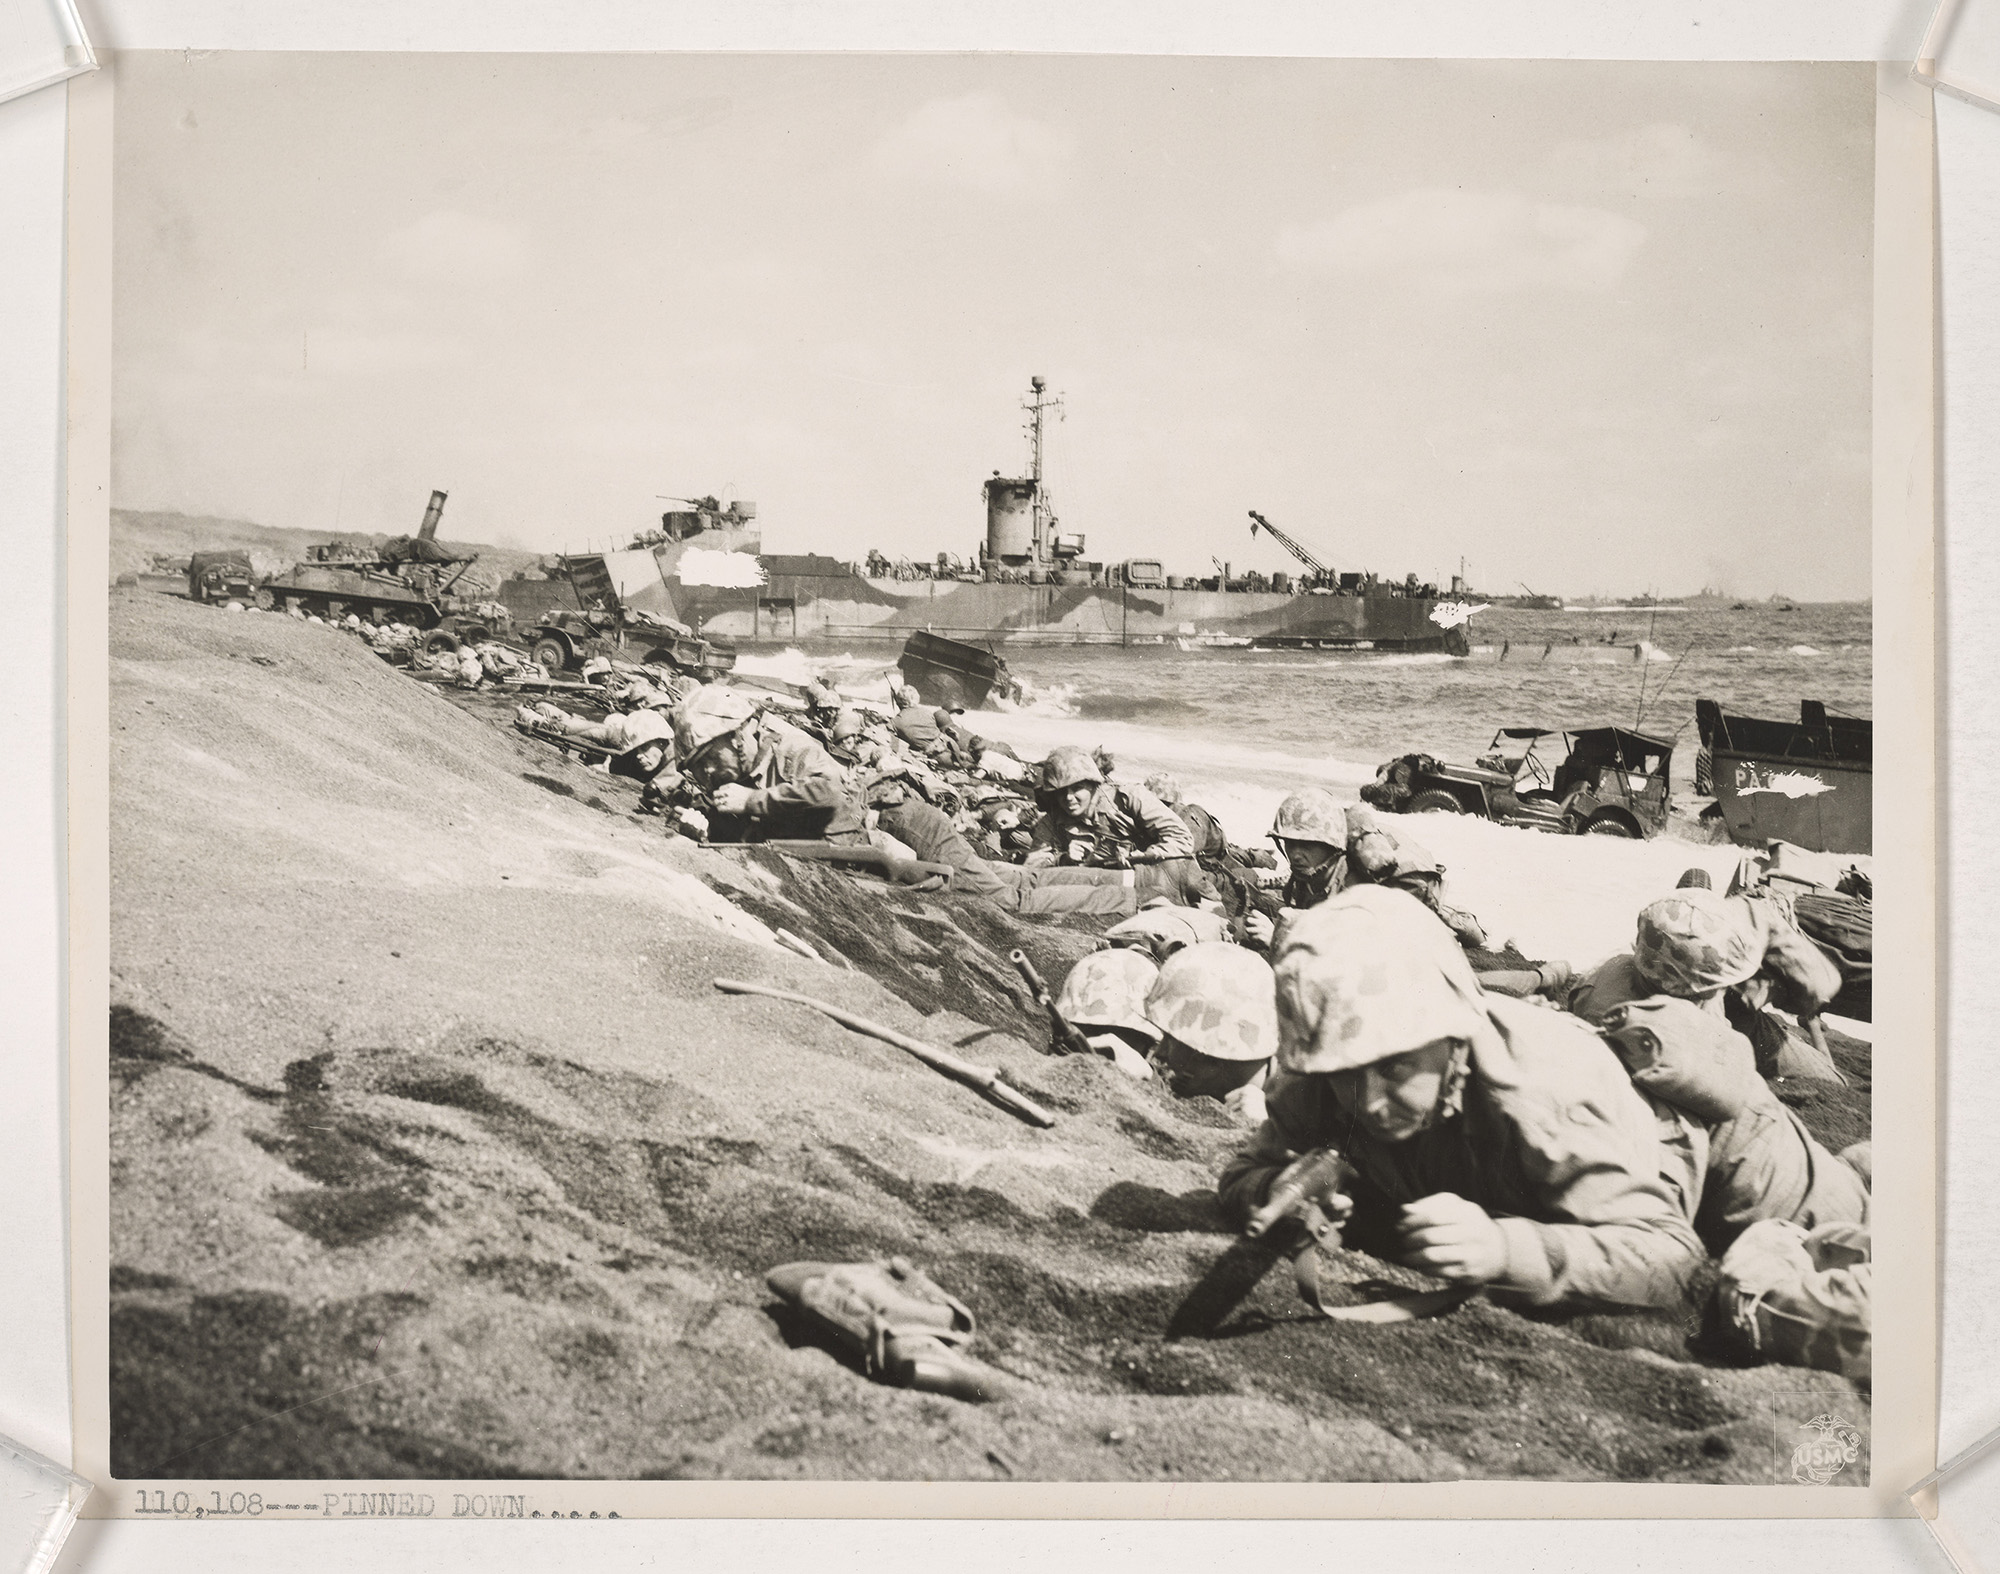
x,y
975,142
1469,242
451,247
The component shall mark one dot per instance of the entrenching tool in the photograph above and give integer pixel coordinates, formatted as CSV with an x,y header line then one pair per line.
x,y
985,1078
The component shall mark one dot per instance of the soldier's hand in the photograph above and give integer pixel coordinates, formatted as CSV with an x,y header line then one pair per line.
x,y
1259,927
731,798
1335,1204
1460,1241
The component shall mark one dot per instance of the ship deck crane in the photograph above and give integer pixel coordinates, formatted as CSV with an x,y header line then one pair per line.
x,y
1321,574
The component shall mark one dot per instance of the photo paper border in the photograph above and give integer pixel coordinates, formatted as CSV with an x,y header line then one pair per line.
x,y
1905,1214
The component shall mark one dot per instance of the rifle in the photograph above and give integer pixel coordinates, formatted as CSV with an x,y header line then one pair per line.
x,y
1292,1224
1236,883
902,871
986,1079
1064,1036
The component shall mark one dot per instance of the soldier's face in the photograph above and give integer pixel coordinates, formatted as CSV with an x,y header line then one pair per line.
x,y
1395,1098
1076,797
723,763
1308,857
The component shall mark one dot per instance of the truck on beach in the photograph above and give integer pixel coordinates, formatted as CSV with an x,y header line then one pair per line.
x,y
1589,781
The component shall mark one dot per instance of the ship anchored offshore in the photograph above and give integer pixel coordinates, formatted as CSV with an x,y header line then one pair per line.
x,y
1029,583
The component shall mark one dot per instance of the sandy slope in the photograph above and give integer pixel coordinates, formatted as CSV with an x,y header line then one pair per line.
x,y
435,1153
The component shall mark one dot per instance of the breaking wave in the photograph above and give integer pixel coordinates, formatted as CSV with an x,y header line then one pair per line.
x,y
1806,650
1132,707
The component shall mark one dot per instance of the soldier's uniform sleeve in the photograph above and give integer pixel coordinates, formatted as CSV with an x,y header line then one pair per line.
x,y
1166,833
1298,1119
1606,1226
804,777
1803,1298
1043,848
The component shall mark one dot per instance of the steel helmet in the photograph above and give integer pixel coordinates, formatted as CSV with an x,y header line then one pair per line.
x,y
1216,998
1109,989
848,724
1065,767
1369,974
1165,930
1695,943
1310,815
708,715
902,696
1163,787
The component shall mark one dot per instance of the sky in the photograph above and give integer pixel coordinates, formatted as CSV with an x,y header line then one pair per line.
x,y
1595,328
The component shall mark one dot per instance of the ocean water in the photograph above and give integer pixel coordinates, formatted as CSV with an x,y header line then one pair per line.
x,y
1241,728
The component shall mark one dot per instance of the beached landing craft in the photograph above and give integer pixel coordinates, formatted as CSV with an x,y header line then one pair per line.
x,y
1810,782
1029,583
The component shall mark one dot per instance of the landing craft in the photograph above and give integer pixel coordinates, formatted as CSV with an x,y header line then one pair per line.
x,y
1808,782
1029,583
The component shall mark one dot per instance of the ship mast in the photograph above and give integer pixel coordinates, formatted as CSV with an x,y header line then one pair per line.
x,y
1036,405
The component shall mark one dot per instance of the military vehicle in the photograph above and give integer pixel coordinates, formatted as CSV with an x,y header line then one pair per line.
x,y
1028,582
403,582
1594,781
1809,782
950,672
221,576
587,608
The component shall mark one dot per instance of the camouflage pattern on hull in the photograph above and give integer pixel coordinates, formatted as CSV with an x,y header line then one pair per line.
x,y
851,607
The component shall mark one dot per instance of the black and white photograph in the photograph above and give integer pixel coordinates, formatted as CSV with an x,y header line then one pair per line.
x,y
1150,772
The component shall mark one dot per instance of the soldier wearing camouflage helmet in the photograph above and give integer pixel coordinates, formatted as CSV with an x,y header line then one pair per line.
x,y
1375,856
1218,1023
1733,956
1309,830
763,778
1691,946
1105,996
1496,1143
1092,822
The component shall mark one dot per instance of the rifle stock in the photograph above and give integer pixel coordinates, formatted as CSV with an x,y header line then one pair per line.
x,y
903,871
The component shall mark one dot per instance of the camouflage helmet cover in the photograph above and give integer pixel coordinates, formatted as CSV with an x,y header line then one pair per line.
x,y
1696,943
1163,787
1310,815
1109,989
1216,998
1367,975
1066,767
708,715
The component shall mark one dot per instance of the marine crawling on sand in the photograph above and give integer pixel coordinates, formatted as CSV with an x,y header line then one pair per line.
x,y
763,779
1496,1143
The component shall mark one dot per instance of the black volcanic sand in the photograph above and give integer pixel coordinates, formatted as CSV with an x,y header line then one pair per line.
x,y
435,1153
